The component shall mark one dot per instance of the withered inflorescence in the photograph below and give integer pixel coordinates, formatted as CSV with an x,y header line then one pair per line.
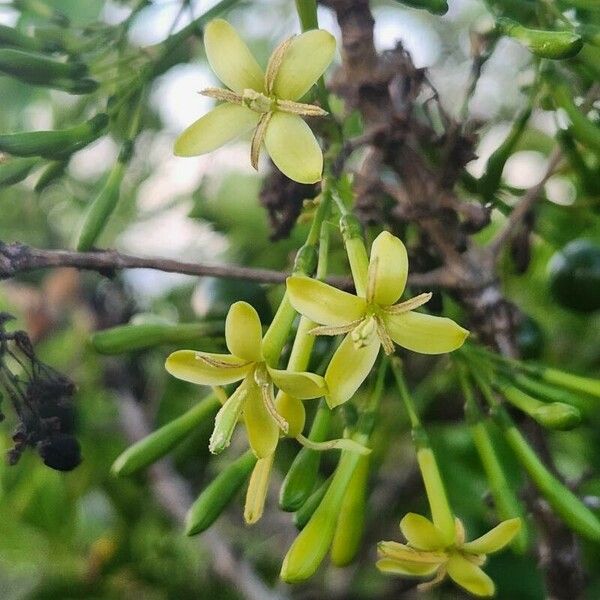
x,y
43,402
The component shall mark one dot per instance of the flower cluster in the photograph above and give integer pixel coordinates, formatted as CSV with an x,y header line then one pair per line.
x,y
269,103
368,322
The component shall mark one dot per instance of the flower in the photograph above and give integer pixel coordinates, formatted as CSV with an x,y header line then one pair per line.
x,y
267,103
254,397
372,321
427,554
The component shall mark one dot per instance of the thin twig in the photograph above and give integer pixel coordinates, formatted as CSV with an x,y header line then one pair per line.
x,y
19,258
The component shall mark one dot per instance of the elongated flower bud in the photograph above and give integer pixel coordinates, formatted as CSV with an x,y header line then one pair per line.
x,y
257,489
568,506
310,547
437,7
218,494
351,521
102,207
306,511
50,174
14,170
12,38
52,144
301,477
156,445
129,338
37,68
545,44
489,182
556,415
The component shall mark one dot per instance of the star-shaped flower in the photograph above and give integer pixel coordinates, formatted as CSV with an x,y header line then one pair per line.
x,y
266,102
254,398
427,554
372,321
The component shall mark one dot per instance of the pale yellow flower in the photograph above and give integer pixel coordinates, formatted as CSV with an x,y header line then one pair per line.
x,y
373,321
254,397
427,554
264,102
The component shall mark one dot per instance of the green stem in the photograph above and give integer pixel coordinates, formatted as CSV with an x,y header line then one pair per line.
x,y
415,422
505,500
568,506
304,264
307,12
569,381
441,513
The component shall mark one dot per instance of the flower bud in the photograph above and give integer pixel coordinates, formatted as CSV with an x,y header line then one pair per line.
x,y
351,521
156,445
133,337
557,416
12,38
310,547
38,69
50,174
15,169
53,144
218,494
101,208
306,511
545,44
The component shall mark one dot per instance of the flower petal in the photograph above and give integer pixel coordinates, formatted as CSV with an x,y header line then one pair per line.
x,y
305,60
421,533
388,268
221,125
469,576
243,332
263,432
301,385
230,58
293,148
323,303
394,567
348,368
424,333
203,367
495,539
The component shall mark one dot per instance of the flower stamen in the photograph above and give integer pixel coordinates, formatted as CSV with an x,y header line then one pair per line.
x,y
300,108
266,390
258,138
384,337
221,94
220,364
335,329
275,63
408,305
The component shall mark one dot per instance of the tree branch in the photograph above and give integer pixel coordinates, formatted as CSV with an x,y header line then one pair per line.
x,y
19,258
526,203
